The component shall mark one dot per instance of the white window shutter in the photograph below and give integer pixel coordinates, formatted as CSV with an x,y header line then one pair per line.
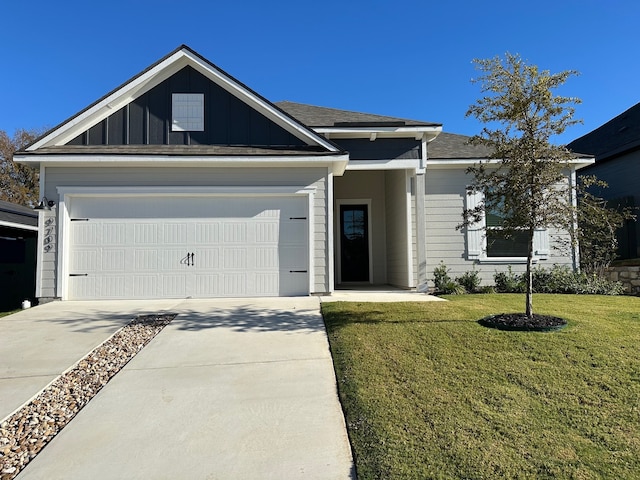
x,y
475,232
541,243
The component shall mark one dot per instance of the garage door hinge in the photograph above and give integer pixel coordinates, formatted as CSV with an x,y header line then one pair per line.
x,y
78,274
297,218
297,271
79,219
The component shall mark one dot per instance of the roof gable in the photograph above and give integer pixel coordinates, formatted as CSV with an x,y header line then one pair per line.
x,y
180,70
617,136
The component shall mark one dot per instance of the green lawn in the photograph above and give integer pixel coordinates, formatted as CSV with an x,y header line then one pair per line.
x,y
429,393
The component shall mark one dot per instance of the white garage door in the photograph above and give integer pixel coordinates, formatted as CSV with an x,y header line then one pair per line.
x,y
178,247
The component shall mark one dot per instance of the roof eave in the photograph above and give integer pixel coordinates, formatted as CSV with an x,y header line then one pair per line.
x,y
427,133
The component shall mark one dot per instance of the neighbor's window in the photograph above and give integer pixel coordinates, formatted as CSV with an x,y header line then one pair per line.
x,y
187,112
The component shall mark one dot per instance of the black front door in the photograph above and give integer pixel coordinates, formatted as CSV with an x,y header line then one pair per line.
x,y
354,243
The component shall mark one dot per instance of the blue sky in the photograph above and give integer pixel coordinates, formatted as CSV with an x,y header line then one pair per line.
x,y
410,59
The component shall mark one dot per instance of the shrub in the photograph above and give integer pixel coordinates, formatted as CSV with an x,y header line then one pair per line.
x,y
444,283
558,279
470,281
509,282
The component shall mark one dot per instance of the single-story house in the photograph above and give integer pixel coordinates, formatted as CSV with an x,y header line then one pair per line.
x,y
184,182
18,237
616,148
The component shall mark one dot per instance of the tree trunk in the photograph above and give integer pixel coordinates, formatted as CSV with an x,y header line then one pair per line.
x,y
529,293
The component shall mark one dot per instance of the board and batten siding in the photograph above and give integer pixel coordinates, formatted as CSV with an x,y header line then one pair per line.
x,y
147,119
444,203
190,177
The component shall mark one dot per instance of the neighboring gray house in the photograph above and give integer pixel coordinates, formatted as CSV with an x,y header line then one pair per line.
x,y
616,148
183,182
18,236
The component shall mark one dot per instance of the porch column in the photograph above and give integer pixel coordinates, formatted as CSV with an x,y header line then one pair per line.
x,y
421,234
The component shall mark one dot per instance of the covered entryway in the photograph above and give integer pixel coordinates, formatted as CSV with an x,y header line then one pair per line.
x,y
180,246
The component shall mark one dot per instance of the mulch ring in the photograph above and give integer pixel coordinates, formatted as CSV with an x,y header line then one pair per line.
x,y
520,322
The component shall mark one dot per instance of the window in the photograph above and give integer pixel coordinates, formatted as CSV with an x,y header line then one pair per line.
x,y
498,244
486,240
187,112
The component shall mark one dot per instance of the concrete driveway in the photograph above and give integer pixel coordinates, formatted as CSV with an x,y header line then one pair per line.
x,y
231,389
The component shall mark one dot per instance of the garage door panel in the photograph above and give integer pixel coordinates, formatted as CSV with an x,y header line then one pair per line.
x,y
146,259
267,284
146,233
174,286
145,286
113,286
266,258
207,285
234,232
188,246
234,258
84,260
112,233
208,233
235,284
114,259
206,258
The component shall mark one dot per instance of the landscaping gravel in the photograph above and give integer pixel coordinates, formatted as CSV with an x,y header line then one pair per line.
x,y
28,430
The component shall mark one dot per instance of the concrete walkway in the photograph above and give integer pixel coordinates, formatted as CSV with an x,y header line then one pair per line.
x,y
231,389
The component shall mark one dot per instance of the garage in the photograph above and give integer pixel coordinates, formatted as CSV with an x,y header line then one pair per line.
x,y
182,246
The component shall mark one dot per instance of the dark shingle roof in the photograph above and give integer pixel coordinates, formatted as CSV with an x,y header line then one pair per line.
x,y
617,136
451,146
178,150
313,116
13,213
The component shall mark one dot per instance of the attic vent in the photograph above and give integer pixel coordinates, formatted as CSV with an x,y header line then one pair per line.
x,y
187,111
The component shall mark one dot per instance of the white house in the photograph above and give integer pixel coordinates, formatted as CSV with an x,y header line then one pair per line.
x,y
184,182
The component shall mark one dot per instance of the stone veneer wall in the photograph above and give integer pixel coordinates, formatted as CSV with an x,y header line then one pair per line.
x,y
628,276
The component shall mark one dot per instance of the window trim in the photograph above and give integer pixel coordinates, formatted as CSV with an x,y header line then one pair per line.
x,y
477,238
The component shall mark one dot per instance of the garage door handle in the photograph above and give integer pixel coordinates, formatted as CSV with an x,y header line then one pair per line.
x,y
297,271
78,274
193,261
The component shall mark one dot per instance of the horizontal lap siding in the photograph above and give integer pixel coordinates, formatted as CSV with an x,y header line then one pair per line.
x,y
107,177
444,203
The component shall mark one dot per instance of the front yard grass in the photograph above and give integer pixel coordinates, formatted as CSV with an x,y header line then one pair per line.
x,y
429,393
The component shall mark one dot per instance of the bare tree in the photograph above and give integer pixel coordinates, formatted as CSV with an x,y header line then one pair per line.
x,y
18,183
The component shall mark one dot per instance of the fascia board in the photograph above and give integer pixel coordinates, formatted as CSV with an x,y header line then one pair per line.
x,y
380,132
19,226
259,104
337,163
157,74
403,164
112,102
467,162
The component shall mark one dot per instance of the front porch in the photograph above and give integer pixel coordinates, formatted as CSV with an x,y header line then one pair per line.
x,y
375,229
